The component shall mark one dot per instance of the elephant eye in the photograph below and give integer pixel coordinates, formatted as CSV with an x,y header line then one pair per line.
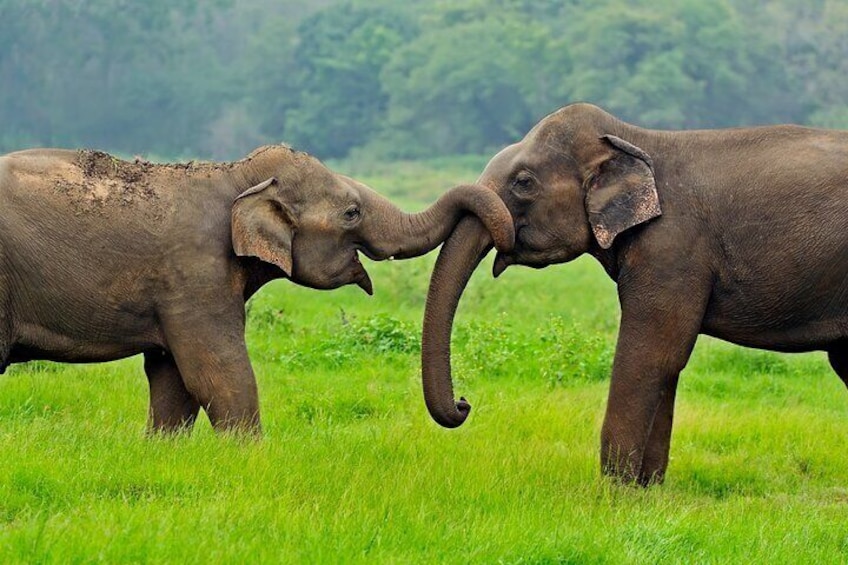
x,y
522,183
352,214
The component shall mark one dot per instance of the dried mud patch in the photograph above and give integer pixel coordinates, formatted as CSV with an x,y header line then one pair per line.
x,y
99,183
130,178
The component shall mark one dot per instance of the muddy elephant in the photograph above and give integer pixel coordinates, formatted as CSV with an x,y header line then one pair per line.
x,y
102,259
741,234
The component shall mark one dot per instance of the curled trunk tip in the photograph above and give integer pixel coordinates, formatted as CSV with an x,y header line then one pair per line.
x,y
449,416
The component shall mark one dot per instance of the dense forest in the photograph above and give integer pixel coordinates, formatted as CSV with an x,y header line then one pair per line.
x,y
389,79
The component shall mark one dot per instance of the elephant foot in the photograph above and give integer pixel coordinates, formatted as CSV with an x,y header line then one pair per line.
x,y
620,465
636,469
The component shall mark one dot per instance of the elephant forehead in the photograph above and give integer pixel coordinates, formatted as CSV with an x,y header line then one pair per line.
x,y
500,165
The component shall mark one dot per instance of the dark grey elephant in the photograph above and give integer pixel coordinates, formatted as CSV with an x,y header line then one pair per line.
x,y
740,234
102,259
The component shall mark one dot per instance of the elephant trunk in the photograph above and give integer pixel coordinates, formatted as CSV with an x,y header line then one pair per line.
x,y
460,255
410,235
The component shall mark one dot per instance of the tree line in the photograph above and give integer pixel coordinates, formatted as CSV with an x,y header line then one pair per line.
x,y
394,79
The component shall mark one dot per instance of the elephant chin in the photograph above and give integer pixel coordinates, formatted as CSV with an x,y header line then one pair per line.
x,y
501,263
364,282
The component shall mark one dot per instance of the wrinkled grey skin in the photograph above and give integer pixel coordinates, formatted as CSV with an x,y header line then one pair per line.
x,y
102,259
741,234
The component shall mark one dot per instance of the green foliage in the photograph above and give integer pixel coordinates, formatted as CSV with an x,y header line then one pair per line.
x,y
680,64
462,75
384,334
562,353
386,79
338,100
82,73
570,354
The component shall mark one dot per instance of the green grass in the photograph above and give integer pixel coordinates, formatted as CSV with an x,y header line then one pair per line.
x,y
351,469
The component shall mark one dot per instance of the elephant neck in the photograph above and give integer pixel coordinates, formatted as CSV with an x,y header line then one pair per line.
x,y
257,274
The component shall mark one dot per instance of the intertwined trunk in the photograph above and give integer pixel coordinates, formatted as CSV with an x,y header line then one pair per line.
x,y
401,235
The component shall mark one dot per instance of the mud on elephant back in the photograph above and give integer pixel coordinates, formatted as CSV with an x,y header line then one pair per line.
x,y
738,234
102,259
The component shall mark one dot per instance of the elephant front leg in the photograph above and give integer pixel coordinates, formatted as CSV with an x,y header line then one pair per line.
x,y
212,359
172,406
633,404
658,331
655,459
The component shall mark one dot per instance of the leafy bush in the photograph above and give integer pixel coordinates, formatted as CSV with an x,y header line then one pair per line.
x,y
559,352
569,353
383,334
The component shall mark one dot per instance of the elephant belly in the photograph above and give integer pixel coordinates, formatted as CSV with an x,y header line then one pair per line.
x,y
71,307
788,295
84,345
792,324
68,320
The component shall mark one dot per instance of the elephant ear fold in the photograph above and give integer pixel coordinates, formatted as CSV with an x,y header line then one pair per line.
x,y
263,226
622,192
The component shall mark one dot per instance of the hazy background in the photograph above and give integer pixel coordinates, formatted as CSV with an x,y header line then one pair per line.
x,y
390,79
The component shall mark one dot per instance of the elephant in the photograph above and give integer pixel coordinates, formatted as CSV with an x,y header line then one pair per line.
x,y
102,258
734,233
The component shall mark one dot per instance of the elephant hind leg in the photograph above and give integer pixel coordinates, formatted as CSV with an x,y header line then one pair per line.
x,y
172,407
5,343
213,361
5,332
838,357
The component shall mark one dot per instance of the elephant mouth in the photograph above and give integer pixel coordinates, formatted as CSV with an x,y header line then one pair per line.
x,y
504,260
525,258
368,253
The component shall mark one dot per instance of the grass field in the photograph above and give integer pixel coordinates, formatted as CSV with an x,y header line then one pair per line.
x,y
351,468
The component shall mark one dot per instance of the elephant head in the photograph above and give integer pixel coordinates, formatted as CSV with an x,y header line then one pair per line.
x,y
312,223
572,187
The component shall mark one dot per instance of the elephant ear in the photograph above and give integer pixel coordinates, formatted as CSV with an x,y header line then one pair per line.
x,y
622,192
263,226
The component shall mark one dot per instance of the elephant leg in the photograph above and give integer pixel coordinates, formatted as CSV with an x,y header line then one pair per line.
x,y
658,330
5,346
172,407
5,332
655,459
211,355
838,357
